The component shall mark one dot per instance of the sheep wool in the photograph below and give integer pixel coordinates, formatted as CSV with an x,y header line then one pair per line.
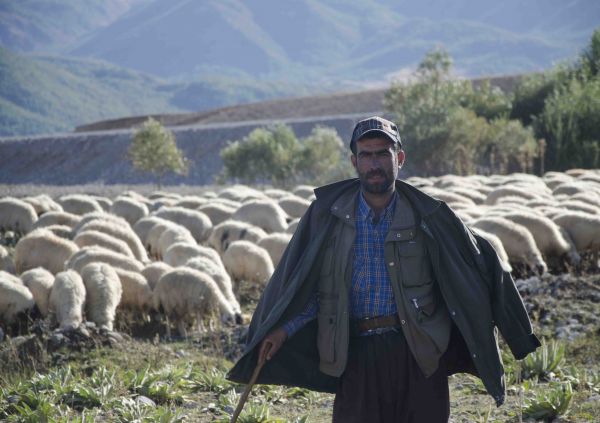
x,y
40,282
143,226
244,260
62,231
41,248
6,262
293,205
304,191
136,294
57,218
14,299
198,223
171,236
186,294
179,253
79,204
88,238
17,215
103,293
67,299
497,245
154,271
43,204
220,276
91,254
583,228
129,209
122,232
266,214
217,212
275,244
231,230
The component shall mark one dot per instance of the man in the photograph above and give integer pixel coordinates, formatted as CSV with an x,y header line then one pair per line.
x,y
381,294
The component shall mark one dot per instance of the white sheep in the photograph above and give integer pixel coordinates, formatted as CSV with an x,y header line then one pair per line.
x,y
184,294
304,191
245,260
42,248
292,226
15,298
143,226
172,236
103,293
179,253
40,282
547,235
67,299
57,218
164,194
217,272
91,254
198,223
122,232
154,235
516,239
293,205
16,215
6,262
265,214
62,231
137,294
104,202
275,244
498,247
581,206
231,230
43,204
154,271
191,202
503,191
79,204
217,212
11,278
277,194
584,230
99,216
87,238
239,193
129,209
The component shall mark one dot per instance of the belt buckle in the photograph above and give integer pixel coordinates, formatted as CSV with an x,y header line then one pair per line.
x,y
379,331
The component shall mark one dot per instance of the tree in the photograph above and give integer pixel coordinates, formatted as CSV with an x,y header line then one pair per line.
x,y
153,149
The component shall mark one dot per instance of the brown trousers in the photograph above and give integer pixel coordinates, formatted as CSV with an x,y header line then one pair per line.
x,y
383,383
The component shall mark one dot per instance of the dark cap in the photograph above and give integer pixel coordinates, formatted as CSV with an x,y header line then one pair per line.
x,y
375,124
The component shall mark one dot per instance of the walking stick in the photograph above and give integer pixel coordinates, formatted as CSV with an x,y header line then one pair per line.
x,y
244,397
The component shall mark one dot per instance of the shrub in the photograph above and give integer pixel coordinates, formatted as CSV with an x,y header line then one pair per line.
x,y
550,403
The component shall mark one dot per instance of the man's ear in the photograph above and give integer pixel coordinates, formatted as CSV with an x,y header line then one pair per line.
x,y
353,160
401,158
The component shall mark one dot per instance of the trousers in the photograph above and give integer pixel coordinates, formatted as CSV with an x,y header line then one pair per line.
x,y
383,383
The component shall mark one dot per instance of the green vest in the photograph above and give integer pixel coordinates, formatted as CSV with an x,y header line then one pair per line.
x,y
424,317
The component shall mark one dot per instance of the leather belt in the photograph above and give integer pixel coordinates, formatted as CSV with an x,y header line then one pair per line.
x,y
372,324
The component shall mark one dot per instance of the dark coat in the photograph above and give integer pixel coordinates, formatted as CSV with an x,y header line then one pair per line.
x,y
479,294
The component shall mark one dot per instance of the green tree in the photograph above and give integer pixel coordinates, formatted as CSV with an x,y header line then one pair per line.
x,y
153,149
324,157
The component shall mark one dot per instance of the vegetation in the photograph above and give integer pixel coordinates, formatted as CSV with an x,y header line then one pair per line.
x,y
276,156
153,150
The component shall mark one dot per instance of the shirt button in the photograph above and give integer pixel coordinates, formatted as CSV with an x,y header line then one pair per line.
x,y
474,355
391,263
399,235
453,313
403,321
347,216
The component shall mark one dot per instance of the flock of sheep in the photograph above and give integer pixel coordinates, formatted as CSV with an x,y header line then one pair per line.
x,y
89,257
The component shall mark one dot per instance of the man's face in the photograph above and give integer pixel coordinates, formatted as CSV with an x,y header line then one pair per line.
x,y
376,163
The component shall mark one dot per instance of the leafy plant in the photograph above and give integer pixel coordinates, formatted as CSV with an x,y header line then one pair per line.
x,y
544,361
549,403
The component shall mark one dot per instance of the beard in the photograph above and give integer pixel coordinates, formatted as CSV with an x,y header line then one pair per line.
x,y
384,185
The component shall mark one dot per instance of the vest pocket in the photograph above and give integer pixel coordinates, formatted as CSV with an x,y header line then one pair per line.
x,y
326,336
414,264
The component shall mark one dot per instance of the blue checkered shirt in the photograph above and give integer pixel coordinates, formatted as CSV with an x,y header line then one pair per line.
x,y
371,294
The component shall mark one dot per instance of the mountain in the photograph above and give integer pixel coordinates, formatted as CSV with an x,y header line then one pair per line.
x,y
351,40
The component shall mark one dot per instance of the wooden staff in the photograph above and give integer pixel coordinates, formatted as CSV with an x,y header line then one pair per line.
x,y
261,362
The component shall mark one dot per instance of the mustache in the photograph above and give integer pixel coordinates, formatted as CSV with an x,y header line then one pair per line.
x,y
376,172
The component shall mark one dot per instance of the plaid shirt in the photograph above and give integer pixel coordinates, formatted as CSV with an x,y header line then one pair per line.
x,y
371,294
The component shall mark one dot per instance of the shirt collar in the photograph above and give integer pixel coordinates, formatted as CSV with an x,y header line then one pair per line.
x,y
365,212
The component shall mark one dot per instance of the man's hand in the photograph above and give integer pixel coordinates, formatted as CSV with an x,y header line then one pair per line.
x,y
271,344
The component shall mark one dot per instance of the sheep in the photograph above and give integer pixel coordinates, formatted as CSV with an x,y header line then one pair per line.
x,y
503,191
79,204
6,262
473,195
15,298
98,216
67,299
449,197
16,215
164,194
154,235
275,244
172,236
581,206
104,202
11,278
43,204
277,194
265,214
143,226
103,294
136,294
154,271
230,203
516,239
292,226
575,187
244,260
583,228
62,231
498,247
546,234
217,212
40,282
231,230
90,254
41,248
304,191
589,198
185,293
90,237
195,221
129,209
217,271
158,203
122,232
191,202
239,193
293,205
57,218
178,253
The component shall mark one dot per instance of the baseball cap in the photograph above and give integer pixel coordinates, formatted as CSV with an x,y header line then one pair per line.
x,y
375,124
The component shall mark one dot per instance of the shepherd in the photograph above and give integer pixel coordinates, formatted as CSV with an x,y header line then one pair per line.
x,y
383,293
